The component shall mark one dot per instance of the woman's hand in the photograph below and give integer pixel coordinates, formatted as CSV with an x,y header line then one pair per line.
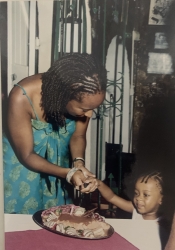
x,y
79,178
80,165
90,185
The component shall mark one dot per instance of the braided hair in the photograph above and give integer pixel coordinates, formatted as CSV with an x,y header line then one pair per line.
x,y
69,78
132,178
156,175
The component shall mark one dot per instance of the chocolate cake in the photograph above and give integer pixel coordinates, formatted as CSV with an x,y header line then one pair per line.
x,y
74,220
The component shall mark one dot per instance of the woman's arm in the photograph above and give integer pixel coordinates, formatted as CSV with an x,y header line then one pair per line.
x,y
21,136
77,148
78,139
108,194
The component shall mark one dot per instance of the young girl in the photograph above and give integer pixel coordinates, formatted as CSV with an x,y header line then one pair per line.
x,y
148,196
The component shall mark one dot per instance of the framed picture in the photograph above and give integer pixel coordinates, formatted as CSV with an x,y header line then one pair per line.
x,y
159,63
160,41
158,11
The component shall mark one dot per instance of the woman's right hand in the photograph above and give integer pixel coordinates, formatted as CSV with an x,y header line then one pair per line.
x,y
90,185
79,179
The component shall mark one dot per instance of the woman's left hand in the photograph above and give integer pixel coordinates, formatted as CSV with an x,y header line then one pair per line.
x,y
85,185
83,176
80,165
90,185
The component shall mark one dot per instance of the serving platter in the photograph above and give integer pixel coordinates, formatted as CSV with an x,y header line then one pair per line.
x,y
38,220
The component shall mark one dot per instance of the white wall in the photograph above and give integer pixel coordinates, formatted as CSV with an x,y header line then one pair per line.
x,y
18,35
22,41
45,15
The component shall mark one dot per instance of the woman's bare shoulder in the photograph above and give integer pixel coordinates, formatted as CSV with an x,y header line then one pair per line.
x,y
28,85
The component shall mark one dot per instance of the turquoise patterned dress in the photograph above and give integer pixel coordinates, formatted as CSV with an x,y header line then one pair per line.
x,y
26,191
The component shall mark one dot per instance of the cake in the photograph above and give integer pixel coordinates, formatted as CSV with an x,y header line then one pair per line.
x,y
74,220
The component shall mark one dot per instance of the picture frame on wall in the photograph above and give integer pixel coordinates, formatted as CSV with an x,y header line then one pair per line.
x,y
158,11
159,59
159,63
160,41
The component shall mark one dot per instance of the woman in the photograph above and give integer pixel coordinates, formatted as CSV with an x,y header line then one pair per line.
x,y
47,113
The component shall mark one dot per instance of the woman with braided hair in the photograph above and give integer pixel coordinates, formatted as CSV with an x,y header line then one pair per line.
x,y
47,118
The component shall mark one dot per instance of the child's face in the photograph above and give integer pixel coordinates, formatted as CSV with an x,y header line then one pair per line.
x,y
147,197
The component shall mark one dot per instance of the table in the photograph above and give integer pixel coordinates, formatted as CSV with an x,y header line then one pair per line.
x,y
144,235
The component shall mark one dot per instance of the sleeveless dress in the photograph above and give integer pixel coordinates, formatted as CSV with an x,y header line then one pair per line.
x,y
26,191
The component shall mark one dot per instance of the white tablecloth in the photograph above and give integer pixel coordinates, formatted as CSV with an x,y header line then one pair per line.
x,y
142,234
